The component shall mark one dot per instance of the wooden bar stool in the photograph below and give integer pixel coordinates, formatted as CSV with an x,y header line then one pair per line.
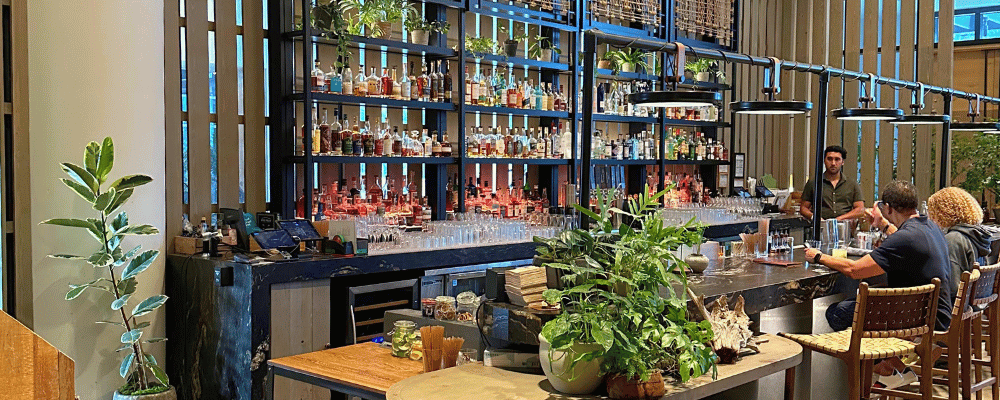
x,y
885,321
958,341
984,299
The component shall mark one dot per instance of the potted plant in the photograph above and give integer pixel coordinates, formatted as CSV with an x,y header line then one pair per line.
x,y
607,60
480,46
630,60
328,17
510,45
144,378
618,304
702,69
542,49
379,16
421,29
976,160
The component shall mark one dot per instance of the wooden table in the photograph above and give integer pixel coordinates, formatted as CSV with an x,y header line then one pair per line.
x,y
365,370
476,382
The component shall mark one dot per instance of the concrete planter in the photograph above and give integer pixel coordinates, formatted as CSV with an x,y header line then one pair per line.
x,y
168,395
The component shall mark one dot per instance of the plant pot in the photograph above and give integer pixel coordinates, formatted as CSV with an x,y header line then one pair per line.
x,y
688,75
545,56
703,76
420,37
620,387
168,395
510,48
605,64
628,67
582,378
386,28
697,262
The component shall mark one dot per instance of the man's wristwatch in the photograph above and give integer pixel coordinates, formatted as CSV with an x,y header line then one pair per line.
x,y
817,257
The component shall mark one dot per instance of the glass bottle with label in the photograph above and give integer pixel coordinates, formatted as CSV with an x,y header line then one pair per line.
x,y
374,84
335,82
318,81
347,80
360,84
414,84
404,85
449,85
325,137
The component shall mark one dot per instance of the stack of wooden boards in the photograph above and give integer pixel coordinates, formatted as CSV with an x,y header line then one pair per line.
x,y
525,285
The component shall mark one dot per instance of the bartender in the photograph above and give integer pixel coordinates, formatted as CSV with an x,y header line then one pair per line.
x,y
841,196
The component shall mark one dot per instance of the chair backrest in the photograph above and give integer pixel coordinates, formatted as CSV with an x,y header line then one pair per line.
x,y
987,289
895,312
967,289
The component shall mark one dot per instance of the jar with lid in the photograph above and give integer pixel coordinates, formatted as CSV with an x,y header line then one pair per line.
x,y
403,335
427,307
444,308
467,305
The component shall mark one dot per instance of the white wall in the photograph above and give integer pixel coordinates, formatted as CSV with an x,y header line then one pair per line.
x,y
95,70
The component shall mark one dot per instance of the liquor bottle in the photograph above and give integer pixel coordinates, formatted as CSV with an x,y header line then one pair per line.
x,y
397,87
600,98
555,144
334,134
318,81
500,146
532,144
378,137
440,84
557,104
335,83
550,96
414,84
404,86
449,85
432,81
445,146
386,140
539,97
314,143
368,140
519,87
428,143
436,147
386,84
338,138
468,86
511,100
425,85
499,92
374,89
325,137
397,142
356,144
473,89
348,82
360,83
484,88
346,143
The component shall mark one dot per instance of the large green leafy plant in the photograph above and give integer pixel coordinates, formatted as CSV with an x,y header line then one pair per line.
x,y
977,158
120,268
612,293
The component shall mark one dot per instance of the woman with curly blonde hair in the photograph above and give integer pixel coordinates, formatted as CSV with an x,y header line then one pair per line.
x,y
960,216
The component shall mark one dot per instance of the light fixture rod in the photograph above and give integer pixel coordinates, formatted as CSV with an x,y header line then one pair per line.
x,y
789,65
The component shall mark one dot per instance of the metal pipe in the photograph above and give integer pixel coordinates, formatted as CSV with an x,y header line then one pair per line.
x,y
817,200
946,146
586,130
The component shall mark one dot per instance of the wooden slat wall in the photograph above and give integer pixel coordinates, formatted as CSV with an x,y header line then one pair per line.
x,y
227,115
944,61
844,34
32,368
300,323
22,175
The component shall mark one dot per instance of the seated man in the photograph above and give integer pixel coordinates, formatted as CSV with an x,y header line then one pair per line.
x,y
913,254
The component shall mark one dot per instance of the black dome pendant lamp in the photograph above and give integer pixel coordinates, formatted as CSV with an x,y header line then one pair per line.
x,y
866,113
973,126
676,98
920,119
772,106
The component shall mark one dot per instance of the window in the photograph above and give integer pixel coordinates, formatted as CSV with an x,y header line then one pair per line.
x,y
989,25
965,27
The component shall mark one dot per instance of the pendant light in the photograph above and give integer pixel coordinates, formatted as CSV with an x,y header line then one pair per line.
x,y
866,113
920,119
676,98
772,106
973,126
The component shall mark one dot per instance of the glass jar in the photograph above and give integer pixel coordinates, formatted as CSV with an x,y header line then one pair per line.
x,y
466,306
444,308
427,307
403,335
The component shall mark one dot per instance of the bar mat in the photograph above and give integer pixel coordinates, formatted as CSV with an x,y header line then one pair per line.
x,y
776,261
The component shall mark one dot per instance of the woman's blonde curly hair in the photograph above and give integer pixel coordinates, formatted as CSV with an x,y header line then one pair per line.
x,y
952,206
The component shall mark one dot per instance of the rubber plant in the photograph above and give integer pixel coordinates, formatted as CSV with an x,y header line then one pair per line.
x,y
120,269
612,293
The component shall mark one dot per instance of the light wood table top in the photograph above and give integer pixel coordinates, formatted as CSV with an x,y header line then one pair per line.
x,y
364,366
476,382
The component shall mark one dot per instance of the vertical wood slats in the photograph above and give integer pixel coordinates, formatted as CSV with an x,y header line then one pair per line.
x,y
907,49
253,106
199,141
835,50
21,159
802,131
944,63
852,61
227,101
925,51
869,55
819,55
886,147
172,111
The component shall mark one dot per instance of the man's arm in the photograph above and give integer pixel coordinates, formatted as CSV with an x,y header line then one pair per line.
x,y
856,212
805,208
866,267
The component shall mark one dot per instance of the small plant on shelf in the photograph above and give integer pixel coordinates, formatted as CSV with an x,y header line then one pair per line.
x,y
420,29
328,17
480,46
120,268
377,16
630,60
702,69
542,49
607,60
510,45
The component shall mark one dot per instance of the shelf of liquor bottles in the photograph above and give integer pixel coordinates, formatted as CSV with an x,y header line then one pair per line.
x,y
516,111
330,98
625,76
625,119
325,159
623,162
520,161
370,43
519,62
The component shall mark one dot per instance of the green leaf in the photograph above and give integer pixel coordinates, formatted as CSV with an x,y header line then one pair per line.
x,y
75,292
81,190
67,256
120,198
149,359
104,200
139,230
81,176
131,253
120,302
111,323
160,374
126,364
127,286
603,335
90,156
131,181
100,259
147,306
142,325
156,340
139,264
123,348
131,336
106,161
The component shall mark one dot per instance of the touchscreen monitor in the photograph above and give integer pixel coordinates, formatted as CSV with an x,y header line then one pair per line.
x,y
274,239
301,228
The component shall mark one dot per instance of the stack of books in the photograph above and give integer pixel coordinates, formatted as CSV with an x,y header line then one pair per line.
x,y
525,285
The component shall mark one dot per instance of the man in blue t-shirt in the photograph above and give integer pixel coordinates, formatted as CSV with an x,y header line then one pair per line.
x,y
912,255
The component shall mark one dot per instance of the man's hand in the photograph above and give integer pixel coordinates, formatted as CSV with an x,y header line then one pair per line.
x,y
811,254
874,217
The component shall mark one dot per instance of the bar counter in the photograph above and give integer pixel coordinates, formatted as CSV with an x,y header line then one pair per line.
x,y
218,318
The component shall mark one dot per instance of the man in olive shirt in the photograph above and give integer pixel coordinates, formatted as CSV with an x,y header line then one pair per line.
x,y
841,197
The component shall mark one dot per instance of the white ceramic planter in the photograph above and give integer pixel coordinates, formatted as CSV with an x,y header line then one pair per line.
x,y
168,395
586,375
704,76
628,67
420,37
545,56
